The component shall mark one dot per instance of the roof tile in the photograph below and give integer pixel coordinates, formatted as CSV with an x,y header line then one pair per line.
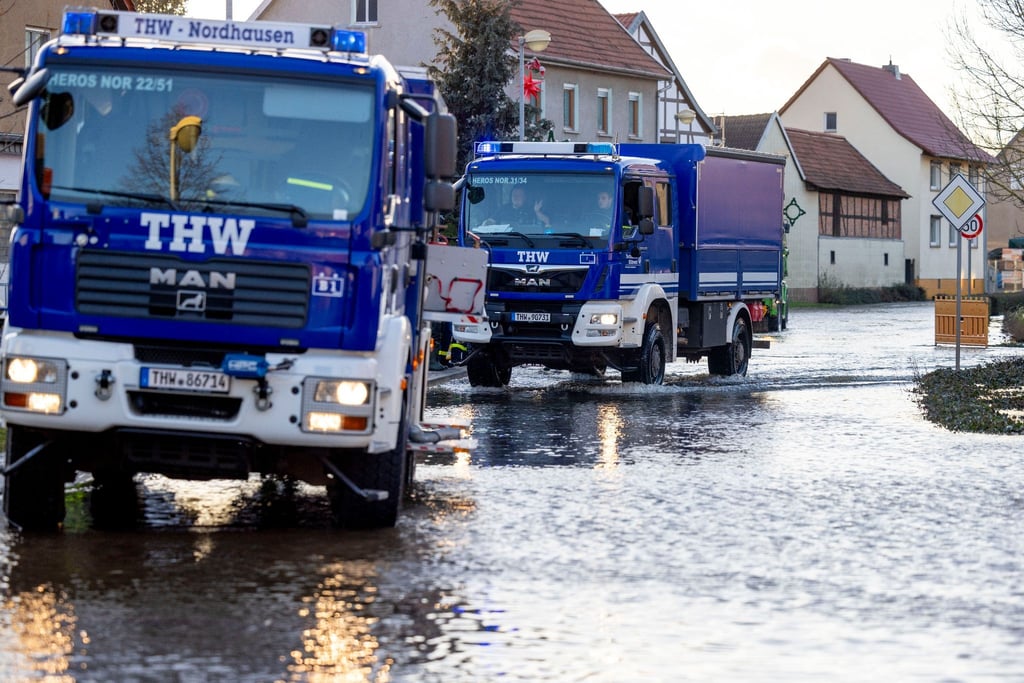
x,y
905,107
583,33
830,162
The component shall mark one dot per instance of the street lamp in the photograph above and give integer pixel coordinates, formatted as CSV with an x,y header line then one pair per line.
x,y
686,117
184,135
536,40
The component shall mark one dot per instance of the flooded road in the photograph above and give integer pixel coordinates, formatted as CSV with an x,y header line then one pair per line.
x,y
804,523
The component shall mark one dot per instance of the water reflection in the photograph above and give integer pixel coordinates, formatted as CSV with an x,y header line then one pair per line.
x,y
600,425
760,529
302,606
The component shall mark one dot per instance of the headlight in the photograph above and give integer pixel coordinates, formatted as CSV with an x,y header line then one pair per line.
x,y
604,319
37,385
342,392
31,371
337,405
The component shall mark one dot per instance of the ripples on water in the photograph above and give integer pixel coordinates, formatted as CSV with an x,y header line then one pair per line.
x,y
801,524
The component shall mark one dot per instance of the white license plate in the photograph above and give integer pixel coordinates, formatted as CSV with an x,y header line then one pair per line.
x,y
209,381
531,317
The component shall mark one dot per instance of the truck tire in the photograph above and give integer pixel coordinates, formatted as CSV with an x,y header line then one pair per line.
x,y
482,372
651,359
383,471
33,491
732,359
114,502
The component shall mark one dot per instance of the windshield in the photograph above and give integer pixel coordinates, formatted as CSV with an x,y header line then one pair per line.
x,y
559,209
205,142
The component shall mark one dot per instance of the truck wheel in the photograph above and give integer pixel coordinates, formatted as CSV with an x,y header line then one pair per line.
x,y
651,360
732,359
34,491
114,501
482,372
383,471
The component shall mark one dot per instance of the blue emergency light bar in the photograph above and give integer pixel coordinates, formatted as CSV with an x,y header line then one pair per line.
x,y
253,34
554,148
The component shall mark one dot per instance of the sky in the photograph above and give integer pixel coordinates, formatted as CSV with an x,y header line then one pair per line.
x,y
750,56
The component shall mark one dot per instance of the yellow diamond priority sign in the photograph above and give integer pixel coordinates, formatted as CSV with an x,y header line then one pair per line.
x,y
959,201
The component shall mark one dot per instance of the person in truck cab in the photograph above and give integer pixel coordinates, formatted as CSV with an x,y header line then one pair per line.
x,y
519,211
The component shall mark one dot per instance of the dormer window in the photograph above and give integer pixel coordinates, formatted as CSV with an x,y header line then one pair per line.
x,y
830,122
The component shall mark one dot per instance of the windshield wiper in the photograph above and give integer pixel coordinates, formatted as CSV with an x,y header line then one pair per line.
x,y
94,207
575,237
498,238
300,218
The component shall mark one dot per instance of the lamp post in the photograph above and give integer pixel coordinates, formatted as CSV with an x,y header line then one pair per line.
x,y
184,135
536,40
686,117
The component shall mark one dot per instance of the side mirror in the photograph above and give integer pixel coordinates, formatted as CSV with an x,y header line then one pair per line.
x,y
12,214
439,196
645,202
441,146
31,88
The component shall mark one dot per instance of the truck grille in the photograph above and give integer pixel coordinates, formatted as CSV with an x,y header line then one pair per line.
x,y
218,290
561,281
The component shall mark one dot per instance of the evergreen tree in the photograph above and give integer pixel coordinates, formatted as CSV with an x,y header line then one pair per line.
x,y
161,6
474,67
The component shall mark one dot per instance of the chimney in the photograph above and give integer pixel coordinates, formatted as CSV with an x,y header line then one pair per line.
x,y
893,69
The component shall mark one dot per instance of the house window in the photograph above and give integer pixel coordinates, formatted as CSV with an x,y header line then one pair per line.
x,y
34,39
570,110
604,109
935,181
954,169
974,177
953,235
635,129
935,231
365,11
830,122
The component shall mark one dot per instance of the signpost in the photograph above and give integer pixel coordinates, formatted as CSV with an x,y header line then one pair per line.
x,y
960,203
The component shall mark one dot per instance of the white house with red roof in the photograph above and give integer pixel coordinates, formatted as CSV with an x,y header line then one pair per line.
x,y
889,120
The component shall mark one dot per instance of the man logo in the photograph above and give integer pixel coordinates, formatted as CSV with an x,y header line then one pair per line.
x,y
194,302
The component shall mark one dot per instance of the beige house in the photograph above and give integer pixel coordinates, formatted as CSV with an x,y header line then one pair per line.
x,y
888,119
599,84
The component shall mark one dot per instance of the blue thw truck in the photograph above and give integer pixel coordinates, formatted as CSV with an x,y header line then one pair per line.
x,y
620,256
220,265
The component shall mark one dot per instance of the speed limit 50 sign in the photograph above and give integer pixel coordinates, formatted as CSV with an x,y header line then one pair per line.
x,y
973,227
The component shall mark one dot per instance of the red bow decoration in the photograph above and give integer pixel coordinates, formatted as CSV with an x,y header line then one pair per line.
x,y
531,88
535,65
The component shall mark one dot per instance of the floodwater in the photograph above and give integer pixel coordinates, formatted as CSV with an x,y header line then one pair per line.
x,y
804,523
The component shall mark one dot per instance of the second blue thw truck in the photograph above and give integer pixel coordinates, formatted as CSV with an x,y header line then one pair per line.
x,y
624,257
220,264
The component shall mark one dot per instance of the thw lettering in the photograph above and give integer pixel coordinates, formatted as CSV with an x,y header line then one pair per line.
x,y
533,256
228,235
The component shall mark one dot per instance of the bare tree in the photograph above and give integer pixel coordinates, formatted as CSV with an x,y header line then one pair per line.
x,y
989,103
